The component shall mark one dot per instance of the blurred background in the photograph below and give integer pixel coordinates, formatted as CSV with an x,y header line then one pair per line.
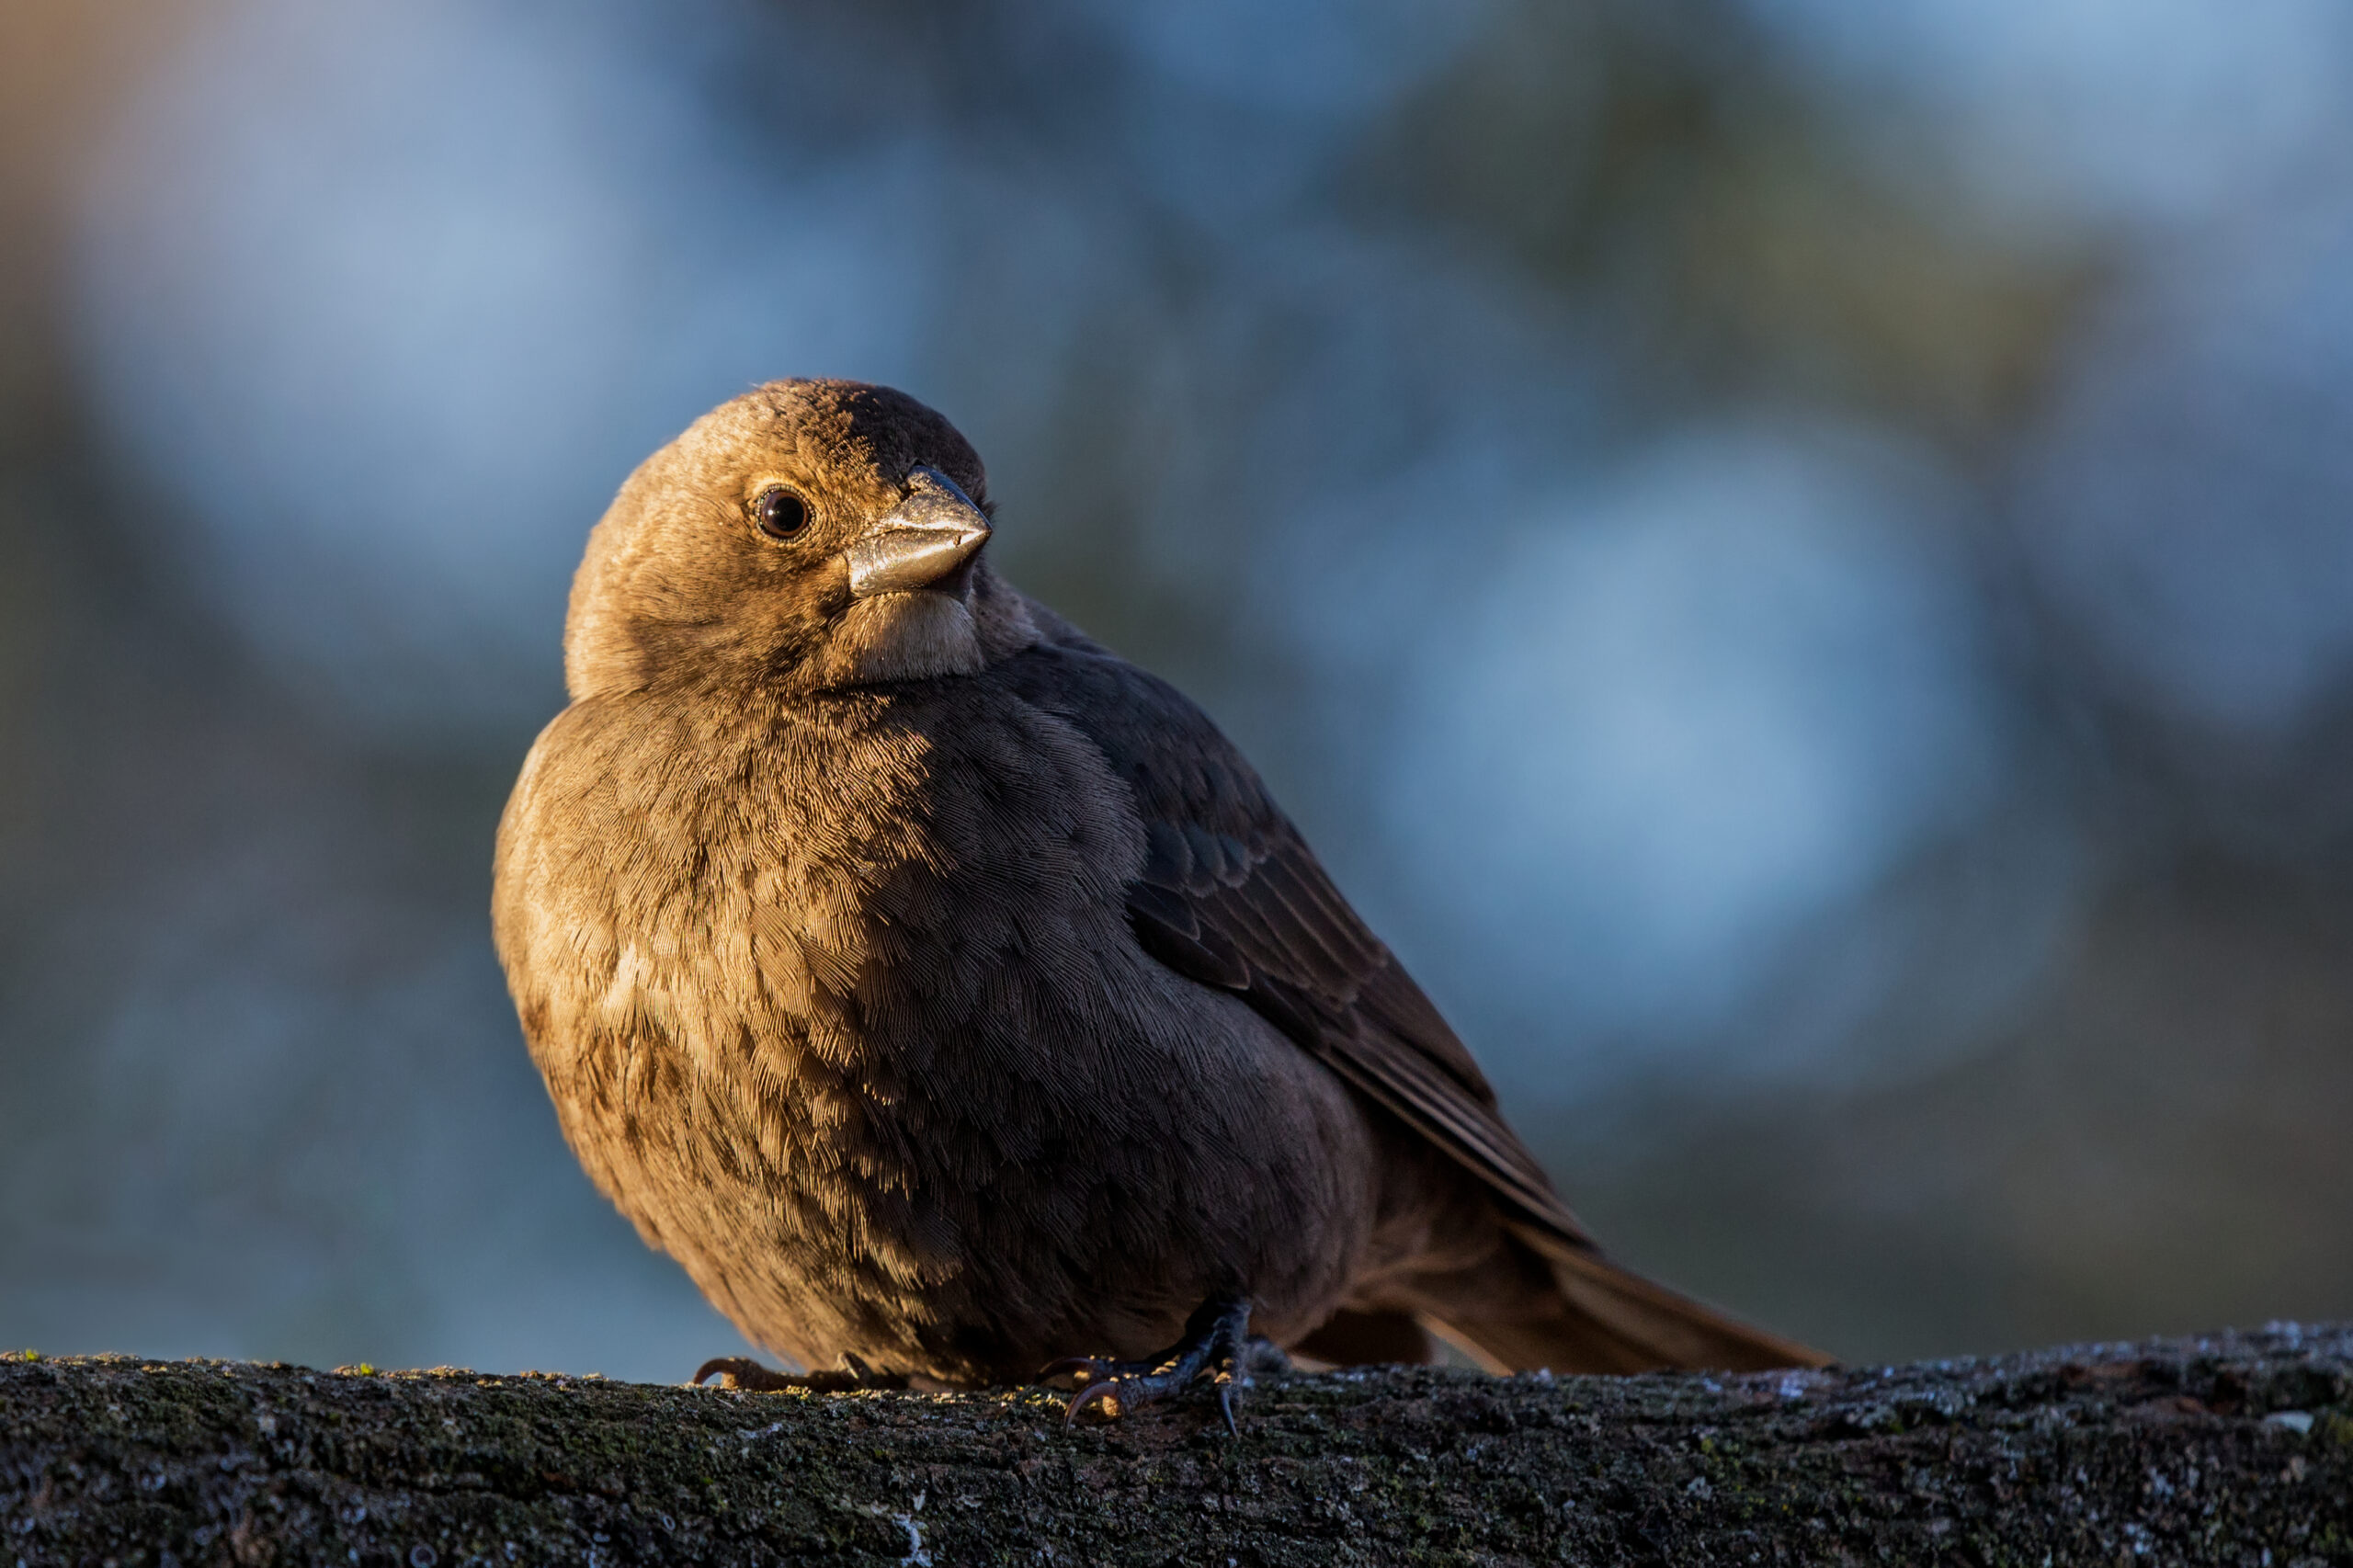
x,y
1794,556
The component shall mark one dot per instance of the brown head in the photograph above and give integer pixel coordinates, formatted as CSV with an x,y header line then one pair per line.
x,y
807,536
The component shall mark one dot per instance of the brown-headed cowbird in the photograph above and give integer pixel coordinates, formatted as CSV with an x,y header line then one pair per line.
x,y
948,996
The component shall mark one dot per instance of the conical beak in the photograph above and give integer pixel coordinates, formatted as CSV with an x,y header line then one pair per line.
x,y
929,540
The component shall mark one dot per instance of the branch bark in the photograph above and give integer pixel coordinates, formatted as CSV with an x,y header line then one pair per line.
x,y
2234,1449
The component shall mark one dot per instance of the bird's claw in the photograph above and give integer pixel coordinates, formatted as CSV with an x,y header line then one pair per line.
x,y
743,1372
1090,1368
1215,1344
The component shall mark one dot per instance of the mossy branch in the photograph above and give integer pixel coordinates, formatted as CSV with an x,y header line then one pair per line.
x,y
2236,1449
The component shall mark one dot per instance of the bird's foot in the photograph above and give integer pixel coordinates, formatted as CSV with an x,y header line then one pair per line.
x,y
743,1372
1216,1343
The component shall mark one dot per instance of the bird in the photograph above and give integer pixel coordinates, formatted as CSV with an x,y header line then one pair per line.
x,y
948,997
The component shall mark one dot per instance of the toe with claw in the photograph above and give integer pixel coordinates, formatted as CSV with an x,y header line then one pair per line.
x,y
743,1372
1216,1344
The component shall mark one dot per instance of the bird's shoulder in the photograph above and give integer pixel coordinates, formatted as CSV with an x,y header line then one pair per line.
x,y
1229,891
1158,742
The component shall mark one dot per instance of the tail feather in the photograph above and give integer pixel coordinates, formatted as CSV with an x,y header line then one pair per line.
x,y
1544,1303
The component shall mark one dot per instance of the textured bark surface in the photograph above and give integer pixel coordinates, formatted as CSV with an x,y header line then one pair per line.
x,y
2234,1449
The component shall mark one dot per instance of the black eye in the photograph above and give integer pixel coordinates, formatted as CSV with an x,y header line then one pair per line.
x,y
780,513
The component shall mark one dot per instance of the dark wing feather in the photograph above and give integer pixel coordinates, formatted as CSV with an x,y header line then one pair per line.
x,y
1231,896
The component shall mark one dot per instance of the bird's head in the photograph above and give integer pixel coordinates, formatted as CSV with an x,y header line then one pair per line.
x,y
808,536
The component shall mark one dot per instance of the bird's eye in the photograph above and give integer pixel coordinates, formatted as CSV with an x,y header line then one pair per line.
x,y
780,513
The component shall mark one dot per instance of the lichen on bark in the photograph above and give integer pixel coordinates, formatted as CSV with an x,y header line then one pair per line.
x,y
2218,1449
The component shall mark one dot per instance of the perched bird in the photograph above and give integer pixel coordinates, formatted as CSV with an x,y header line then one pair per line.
x,y
948,996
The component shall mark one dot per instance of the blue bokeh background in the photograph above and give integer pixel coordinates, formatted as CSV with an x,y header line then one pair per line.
x,y
1794,556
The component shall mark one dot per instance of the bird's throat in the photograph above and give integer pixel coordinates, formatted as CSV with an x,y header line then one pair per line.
x,y
917,635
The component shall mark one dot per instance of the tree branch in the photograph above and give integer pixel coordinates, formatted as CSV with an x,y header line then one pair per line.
x,y
2236,1449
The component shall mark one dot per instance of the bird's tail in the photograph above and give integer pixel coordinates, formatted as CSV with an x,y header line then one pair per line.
x,y
1539,1302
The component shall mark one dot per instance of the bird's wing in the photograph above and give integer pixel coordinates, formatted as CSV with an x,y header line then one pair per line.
x,y
1231,896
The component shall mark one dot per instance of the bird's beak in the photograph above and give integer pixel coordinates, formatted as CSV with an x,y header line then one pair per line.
x,y
929,540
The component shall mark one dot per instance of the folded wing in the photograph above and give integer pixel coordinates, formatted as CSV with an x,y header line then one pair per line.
x,y
1231,896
